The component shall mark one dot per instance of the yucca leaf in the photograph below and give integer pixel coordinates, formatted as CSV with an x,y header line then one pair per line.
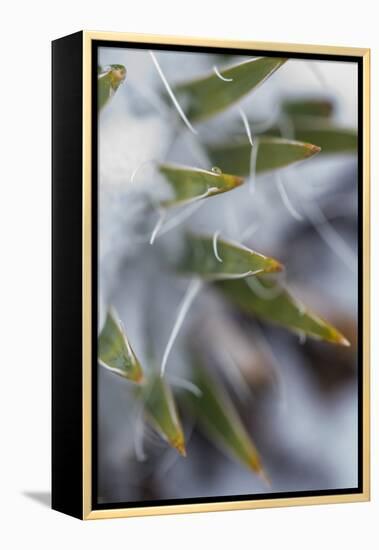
x,y
115,352
108,82
330,138
312,107
275,304
207,96
161,411
189,184
219,419
220,259
272,153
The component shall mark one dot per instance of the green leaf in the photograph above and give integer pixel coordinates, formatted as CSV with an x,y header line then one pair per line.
x,y
210,95
220,420
215,259
161,411
272,153
268,300
189,184
308,107
115,352
331,139
108,83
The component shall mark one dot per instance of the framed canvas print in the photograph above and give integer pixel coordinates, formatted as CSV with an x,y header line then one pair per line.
x,y
210,275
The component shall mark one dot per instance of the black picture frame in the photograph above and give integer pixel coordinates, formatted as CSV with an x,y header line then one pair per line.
x,y
74,133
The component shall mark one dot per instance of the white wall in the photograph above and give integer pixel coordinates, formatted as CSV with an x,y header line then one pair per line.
x,y
27,28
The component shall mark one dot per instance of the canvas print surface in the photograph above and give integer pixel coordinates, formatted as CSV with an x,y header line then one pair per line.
x,y
228,299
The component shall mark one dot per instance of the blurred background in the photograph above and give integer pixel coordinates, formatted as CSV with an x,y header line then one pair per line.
x,y
297,397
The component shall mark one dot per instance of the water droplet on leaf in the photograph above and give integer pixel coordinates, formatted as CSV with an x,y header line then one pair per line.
x,y
216,170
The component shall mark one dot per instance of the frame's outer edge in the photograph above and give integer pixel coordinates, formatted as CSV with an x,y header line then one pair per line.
x,y
87,277
67,95
83,502
366,270
175,40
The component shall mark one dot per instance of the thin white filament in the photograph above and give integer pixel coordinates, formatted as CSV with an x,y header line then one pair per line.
x,y
214,242
181,217
247,127
121,327
253,167
302,337
157,227
186,385
204,195
330,235
239,245
111,369
196,150
191,293
233,373
173,222
249,231
285,198
317,73
254,151
220,75
300,306
271,356
137,169
197,198
155,438
231,276
264,125
286,127
171,94
262,291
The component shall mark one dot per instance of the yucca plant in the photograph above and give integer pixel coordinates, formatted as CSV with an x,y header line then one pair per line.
x,y
243,279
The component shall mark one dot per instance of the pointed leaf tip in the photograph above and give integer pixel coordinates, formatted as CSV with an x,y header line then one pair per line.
x,y
189,184
181,448
272,153
338,338
161,411
265,478
220,420
108,82
312,149
217,259
115,352
278,306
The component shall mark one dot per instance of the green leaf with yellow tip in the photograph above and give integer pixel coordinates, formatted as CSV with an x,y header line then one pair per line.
x,y
161,411
108,82
272,153
219,419
115,352
210,95
329,138
212,258
191,184
268,300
